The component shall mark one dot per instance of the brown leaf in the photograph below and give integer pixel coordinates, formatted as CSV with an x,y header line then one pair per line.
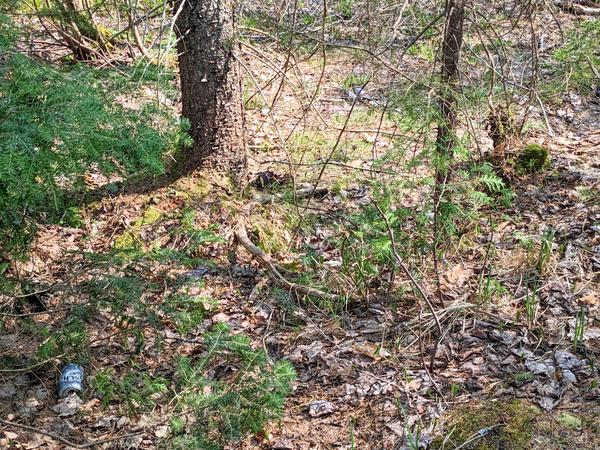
x,y
11,435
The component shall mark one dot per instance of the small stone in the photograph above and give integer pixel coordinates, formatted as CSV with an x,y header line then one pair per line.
x,y
7,391
569,377
547,403
567,360
320,408
161,431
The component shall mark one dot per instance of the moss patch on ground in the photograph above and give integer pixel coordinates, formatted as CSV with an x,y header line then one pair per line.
x,y
517,425
507,425
130,237
533,158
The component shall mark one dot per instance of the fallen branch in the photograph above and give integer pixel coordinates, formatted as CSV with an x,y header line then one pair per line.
x,y
574,8
65,440
265,260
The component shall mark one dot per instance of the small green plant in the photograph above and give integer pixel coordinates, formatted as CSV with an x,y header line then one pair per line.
x,y
579,328
531,303
138,390
119,292
286,301
253,101
413,438
344,8
73,217
588,195
197,237
354,80
545,252
352,438
70,340
491,288
425,50
489,188
188,311
527,243
521,378
454,390
232,388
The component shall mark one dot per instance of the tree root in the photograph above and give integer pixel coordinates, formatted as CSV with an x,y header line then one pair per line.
x,y
265,260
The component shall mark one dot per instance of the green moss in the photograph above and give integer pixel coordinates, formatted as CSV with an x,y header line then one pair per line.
x,y
151,215
125,241
271,234
533,158
130,237
569,421
507,425
200,189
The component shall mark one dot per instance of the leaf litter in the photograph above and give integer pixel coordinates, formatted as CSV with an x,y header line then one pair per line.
x,y
361,373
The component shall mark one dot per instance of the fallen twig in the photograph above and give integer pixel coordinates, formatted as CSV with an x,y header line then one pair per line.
x,y
414,282
30,368
65,440
265,260
571,7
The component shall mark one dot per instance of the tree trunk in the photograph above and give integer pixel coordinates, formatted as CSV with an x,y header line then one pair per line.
x,y
445,140
451,45
211,86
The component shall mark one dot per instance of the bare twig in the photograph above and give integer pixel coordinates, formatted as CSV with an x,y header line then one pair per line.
x,y
265,260
412,279
30,368
65,440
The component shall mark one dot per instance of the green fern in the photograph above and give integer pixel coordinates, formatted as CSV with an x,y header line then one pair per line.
x,y
479,198
488,178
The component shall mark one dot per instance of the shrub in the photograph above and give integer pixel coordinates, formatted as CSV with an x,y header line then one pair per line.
x,y
232,388
579,58
56,125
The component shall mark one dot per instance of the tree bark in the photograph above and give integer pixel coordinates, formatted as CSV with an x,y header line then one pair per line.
x,y
211,86
451,45
446,130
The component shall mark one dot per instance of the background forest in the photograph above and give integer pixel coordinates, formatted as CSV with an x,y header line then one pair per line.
x,y
300,224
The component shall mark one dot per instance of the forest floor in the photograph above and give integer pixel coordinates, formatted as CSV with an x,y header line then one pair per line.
x,y
509,372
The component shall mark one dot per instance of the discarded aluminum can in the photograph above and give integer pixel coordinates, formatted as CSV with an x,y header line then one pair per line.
x,y
71,380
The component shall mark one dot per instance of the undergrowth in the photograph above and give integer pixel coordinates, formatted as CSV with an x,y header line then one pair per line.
x,y
232,389
58,124
578,61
